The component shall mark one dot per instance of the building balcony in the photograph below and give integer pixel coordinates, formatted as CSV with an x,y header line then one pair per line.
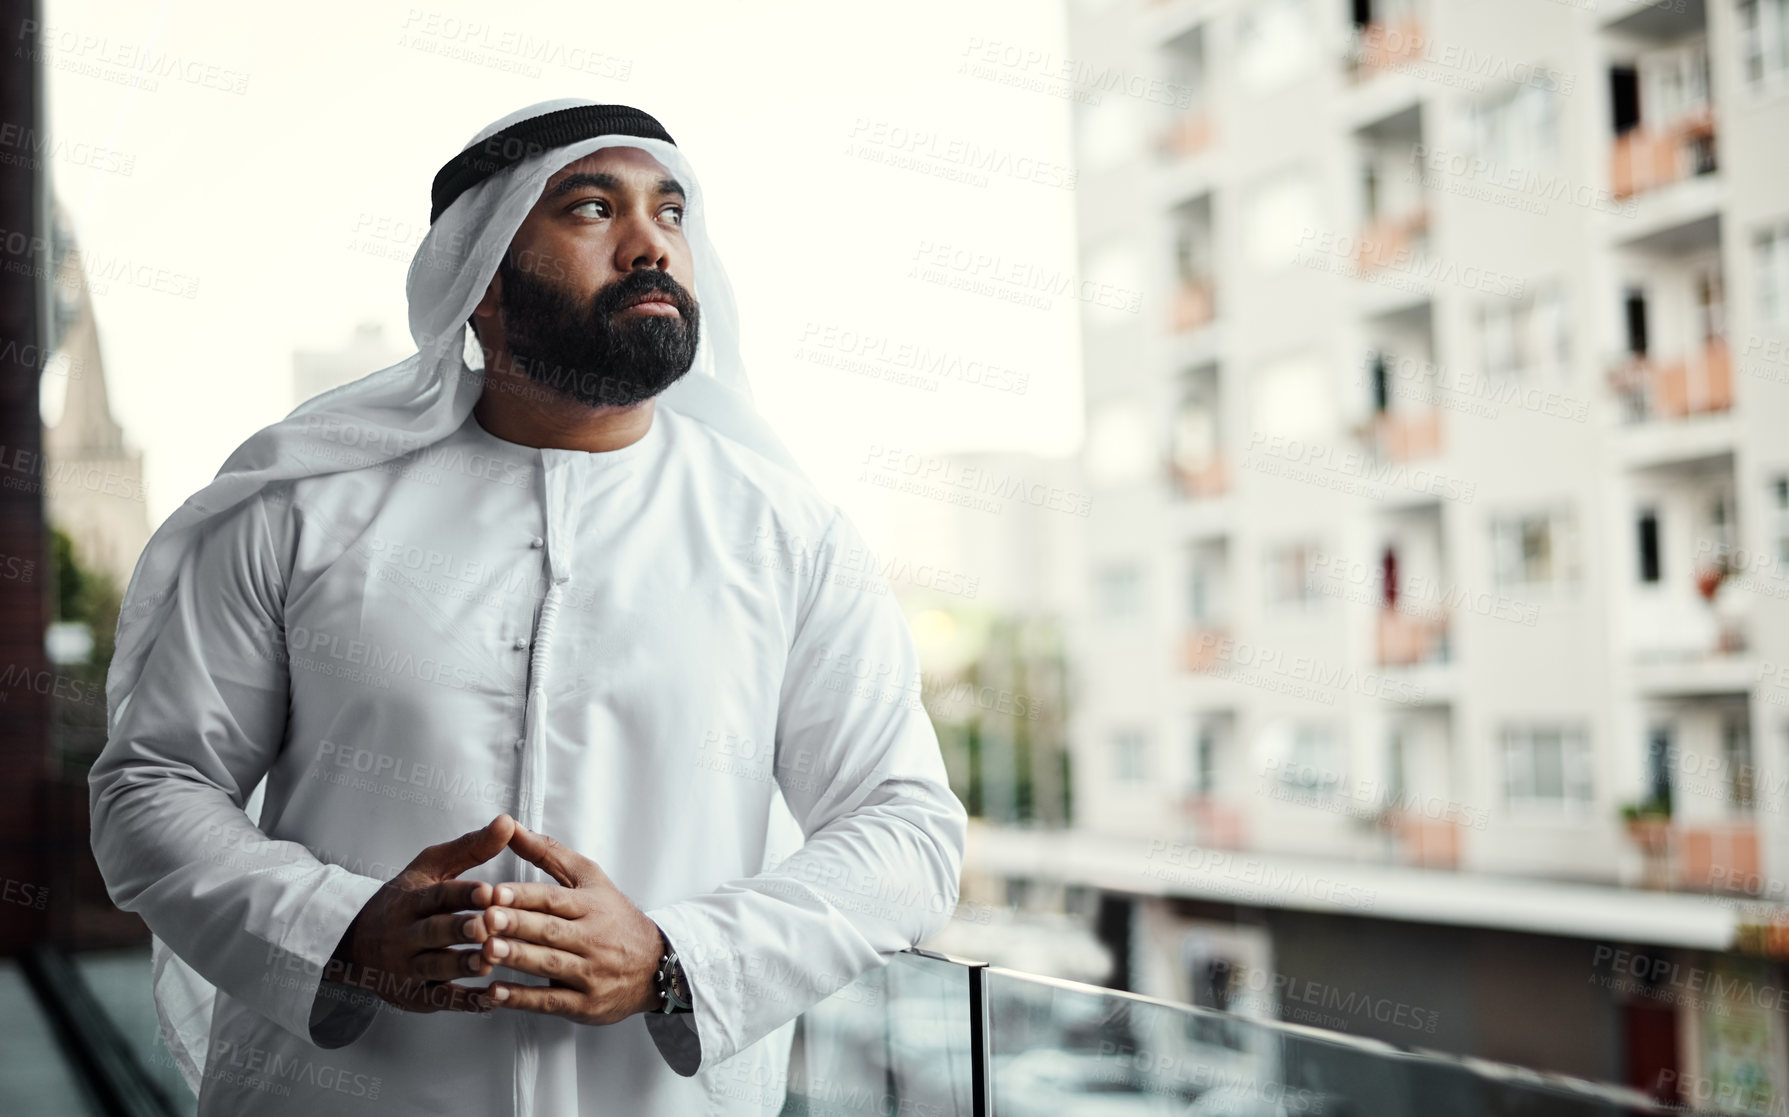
x,y
1697,384
1193,305
1421,842
1201,482
1216,824
1201,649
1410,639
1385,45
1391,241
1646,159
1698,857
1401,436
1191,133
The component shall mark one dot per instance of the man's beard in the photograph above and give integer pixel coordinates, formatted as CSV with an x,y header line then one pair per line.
x,y
583,352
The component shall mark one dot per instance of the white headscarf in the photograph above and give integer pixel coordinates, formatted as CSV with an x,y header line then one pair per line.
x,y
412,404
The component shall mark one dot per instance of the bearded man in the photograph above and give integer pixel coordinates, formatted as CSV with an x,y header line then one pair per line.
x,y
582,587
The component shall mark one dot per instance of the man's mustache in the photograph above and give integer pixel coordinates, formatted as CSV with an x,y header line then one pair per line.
x,y
611,298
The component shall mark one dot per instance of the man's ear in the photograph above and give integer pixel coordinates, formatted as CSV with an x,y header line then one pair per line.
x,y
490,303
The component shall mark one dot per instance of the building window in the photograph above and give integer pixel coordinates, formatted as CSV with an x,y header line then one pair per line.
x,y
1534,550
1205,748
1313,761
1648,525
1130,762
1121,591
1545,768
1518,129
1779,492
1291,578
1764,41
1207,568
1276,42
1770,256
1279,213
1525,335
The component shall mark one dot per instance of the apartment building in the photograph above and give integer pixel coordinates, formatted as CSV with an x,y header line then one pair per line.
x,y
1447,451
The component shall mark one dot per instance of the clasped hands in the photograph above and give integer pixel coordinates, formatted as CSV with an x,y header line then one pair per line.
x,y
596,948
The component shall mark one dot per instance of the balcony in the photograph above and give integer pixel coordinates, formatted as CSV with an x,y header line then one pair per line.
x,y
1421,842
1645,159
1699,857
927,1033
1410,639
1402,436
1201,649
1385,45
1216,824
1391,241
1700,383
1190,133
1193,304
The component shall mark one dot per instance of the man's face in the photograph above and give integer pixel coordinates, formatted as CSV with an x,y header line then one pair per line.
x,y
595,295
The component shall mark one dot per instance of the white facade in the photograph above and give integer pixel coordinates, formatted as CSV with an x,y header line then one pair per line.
x,y
1414,315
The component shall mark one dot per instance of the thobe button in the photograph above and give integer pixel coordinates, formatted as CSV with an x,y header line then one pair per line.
x,y
520,741
537,542
521,642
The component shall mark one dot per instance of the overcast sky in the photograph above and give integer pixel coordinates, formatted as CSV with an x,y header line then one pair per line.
x,y
277,174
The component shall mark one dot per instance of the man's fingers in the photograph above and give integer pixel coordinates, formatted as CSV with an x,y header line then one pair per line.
x,y
562,863
534,998
452,895
445,965
530,926
533,896
541,961
438,931
451,858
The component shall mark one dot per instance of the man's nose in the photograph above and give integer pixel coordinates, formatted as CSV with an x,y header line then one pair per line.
x,y
643,244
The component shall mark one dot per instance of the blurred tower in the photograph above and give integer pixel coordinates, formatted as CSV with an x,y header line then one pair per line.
x,y
94,485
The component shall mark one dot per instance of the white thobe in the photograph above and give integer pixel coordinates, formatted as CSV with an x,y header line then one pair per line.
x,y
632,651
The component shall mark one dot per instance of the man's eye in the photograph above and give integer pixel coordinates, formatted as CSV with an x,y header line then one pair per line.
x,y
591,202
678,211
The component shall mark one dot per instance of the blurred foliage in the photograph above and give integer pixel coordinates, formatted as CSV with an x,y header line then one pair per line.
x,y
90,597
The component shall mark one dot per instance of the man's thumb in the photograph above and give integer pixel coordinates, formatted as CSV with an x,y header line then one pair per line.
x,y
451,858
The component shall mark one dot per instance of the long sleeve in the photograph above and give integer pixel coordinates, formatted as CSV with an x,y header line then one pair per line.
x,y
257,918
858,762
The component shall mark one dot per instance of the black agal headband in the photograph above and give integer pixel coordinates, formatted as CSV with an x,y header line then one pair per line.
x,y
526,138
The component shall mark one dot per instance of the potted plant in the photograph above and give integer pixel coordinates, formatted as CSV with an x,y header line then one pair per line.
x,y
1649,824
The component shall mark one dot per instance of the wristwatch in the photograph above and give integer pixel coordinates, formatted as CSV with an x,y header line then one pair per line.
x,y
673,990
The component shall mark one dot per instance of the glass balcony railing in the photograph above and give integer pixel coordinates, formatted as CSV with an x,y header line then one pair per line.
x,y
928,1035
936,1035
